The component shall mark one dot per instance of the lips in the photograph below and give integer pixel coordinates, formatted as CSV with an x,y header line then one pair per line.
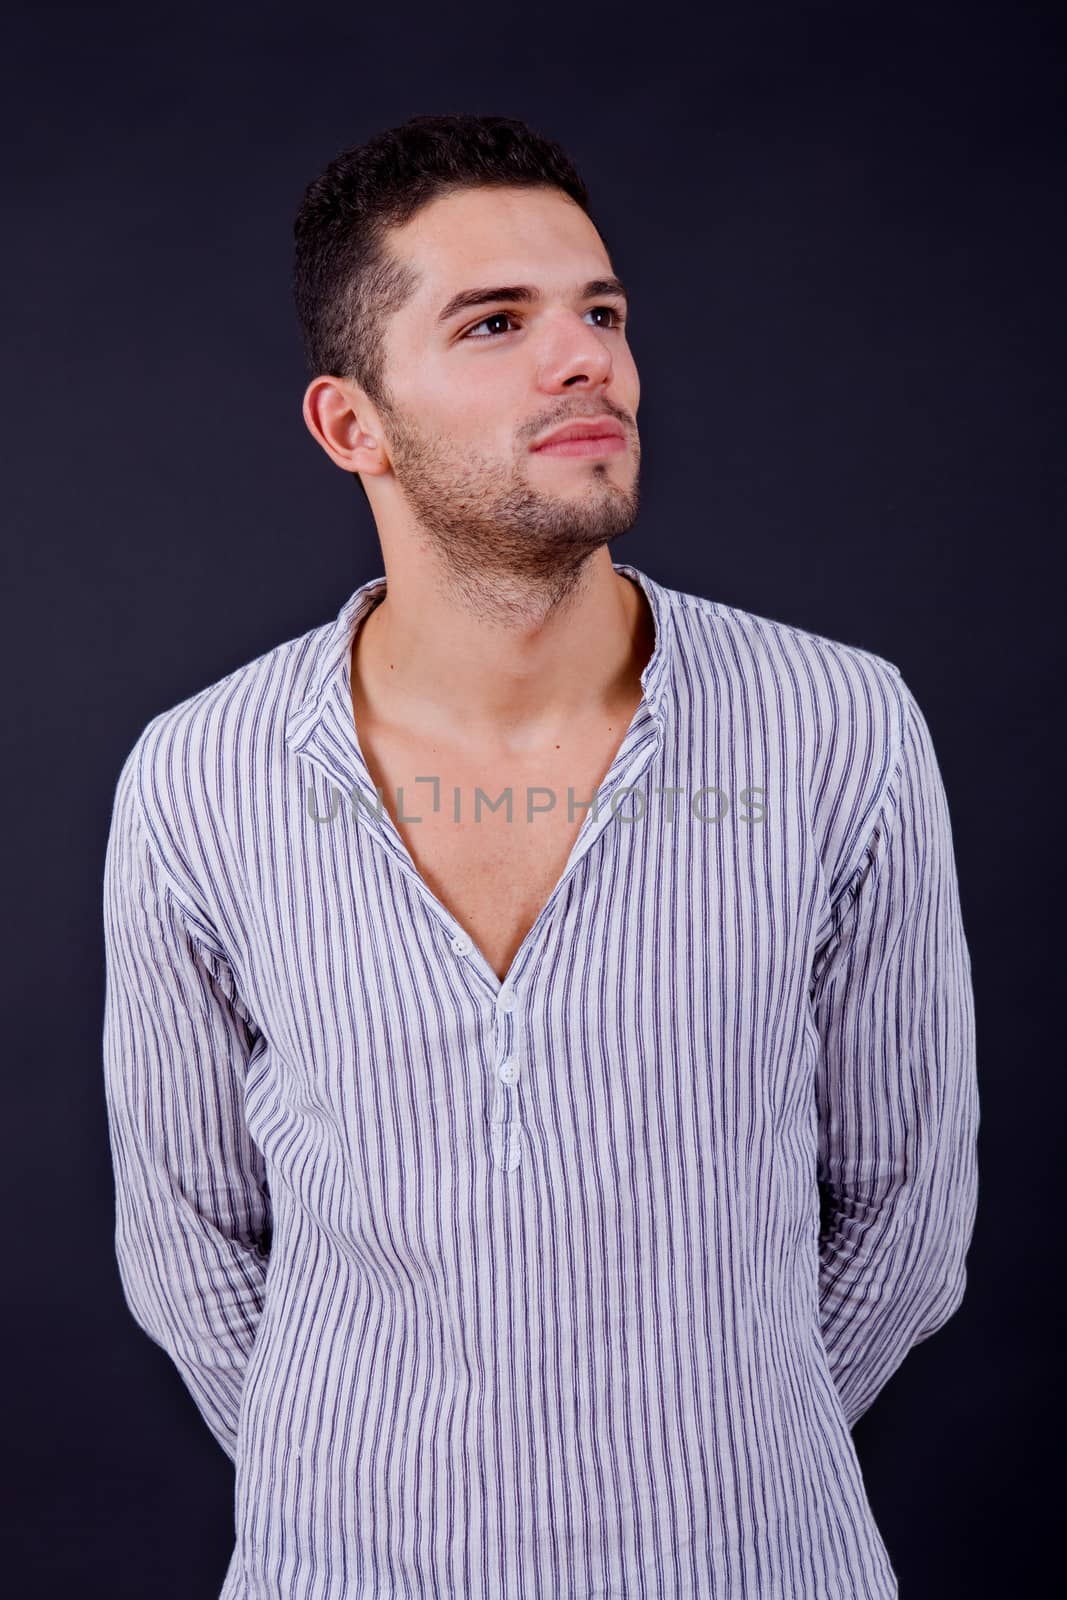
x,y
592,428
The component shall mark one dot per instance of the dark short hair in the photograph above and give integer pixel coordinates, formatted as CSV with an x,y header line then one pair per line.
x,y
346,282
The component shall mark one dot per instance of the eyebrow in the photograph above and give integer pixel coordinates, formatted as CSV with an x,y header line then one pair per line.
x,y
466,299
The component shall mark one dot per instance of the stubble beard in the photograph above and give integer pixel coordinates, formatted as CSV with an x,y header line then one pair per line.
x,y
496,535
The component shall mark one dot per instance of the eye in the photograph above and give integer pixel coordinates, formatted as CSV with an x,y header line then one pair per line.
x,y
500,316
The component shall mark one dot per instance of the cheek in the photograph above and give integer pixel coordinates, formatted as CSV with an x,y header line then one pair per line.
x,y
473,417
629,380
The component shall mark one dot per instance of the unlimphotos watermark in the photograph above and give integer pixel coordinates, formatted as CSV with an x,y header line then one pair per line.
x,y
708,804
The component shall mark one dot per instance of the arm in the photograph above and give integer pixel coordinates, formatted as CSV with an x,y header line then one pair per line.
x,y
896,1088
192,1211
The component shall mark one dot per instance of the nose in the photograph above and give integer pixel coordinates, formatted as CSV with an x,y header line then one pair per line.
x,y
576,352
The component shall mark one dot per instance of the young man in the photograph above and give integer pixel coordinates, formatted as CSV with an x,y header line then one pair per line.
x,y
539,1041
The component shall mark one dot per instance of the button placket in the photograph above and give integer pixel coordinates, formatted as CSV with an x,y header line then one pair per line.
x,y
505,1121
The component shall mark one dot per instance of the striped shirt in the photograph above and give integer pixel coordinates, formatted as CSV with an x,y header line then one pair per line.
x,y
570,1285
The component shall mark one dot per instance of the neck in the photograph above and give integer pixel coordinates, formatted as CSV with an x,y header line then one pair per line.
x,y
504,669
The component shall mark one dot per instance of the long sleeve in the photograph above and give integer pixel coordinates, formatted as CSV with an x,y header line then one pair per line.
x,y
192,1211
896,1088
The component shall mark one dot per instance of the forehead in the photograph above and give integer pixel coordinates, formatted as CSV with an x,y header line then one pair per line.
x,y
515,235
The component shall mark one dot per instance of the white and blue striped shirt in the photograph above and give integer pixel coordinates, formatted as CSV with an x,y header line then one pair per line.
x,y
571,1285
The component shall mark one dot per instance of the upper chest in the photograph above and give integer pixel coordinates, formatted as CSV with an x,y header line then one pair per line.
x,y
491,838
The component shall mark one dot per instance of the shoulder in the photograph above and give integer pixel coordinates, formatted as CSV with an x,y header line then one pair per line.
x,y
830,691
190,760
775,648
834,718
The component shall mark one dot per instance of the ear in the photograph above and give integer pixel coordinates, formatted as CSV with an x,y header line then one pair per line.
x,y
341,418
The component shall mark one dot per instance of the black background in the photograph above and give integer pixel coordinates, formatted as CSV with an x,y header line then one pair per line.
x,y
842,230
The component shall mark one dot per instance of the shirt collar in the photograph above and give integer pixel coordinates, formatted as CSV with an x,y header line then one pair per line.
x,y
329,681
657,680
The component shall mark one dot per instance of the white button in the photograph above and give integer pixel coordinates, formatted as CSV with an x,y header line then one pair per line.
x,y
508,1072
461,944
506,1000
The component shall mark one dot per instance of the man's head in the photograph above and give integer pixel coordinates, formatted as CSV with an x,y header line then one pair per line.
x,y
435,405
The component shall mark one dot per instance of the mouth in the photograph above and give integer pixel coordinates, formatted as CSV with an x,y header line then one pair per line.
x,y
590,444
